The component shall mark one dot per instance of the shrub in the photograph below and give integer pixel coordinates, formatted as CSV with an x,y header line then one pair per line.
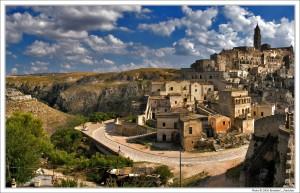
x,y
131,118
66,183
101,116
164,172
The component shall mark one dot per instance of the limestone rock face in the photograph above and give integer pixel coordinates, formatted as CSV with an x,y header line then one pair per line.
x,y
89,92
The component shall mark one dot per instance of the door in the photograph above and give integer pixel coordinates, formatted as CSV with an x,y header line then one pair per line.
x,y
164,137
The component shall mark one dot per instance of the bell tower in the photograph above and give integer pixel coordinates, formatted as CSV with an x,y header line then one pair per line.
x,y
257,37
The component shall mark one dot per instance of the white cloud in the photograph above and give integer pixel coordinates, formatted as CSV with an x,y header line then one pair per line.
x,y
198,19
66,21
19,23
125,29
165,28
66,66
87,60
107,62
185,47
14,71
106,44
9,53
40,48
243,21
66,48
38,67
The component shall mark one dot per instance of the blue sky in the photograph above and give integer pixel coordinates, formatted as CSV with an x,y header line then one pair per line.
x,y
114,38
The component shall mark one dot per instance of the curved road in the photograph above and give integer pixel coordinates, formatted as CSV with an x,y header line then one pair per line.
x,y
98,133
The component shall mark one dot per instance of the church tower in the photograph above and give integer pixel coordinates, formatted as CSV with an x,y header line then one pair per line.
x,y
257,37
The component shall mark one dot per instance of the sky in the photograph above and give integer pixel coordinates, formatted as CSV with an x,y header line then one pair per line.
x,y
44,39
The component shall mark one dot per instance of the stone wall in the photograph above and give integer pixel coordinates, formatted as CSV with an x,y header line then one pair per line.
x,y
129,129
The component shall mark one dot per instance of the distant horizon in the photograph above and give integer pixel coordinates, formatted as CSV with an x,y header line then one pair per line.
x,y
91,72
102,39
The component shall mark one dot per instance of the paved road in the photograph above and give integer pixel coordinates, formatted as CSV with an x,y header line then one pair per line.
x,y
98,133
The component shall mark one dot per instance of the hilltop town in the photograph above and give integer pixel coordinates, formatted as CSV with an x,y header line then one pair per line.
x,y
235,106
230,91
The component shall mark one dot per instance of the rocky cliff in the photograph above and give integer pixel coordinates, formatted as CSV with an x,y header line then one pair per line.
x,y
87,92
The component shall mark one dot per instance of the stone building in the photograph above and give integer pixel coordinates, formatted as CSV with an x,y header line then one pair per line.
x,y
244,125
191,131
167,126
159,104
219,123
185,129
263,109
234,103
182,93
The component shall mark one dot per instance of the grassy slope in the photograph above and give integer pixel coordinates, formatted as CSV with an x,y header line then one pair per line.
x,y
51,118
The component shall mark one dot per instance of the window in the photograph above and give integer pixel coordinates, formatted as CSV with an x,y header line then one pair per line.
x,y
185,100
209,89
190,130
184,88
210,77
163,124
195,90
223,122
175,102
171,88
166,110
262,113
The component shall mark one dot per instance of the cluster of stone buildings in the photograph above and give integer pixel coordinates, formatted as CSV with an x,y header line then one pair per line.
x,y
221,94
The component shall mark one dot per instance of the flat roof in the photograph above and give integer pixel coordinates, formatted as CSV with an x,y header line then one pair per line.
x,y
158,97
192,116
218,115
168,114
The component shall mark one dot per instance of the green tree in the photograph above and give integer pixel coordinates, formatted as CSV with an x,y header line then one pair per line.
x,y
25,143
164,172
101,116
67,139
